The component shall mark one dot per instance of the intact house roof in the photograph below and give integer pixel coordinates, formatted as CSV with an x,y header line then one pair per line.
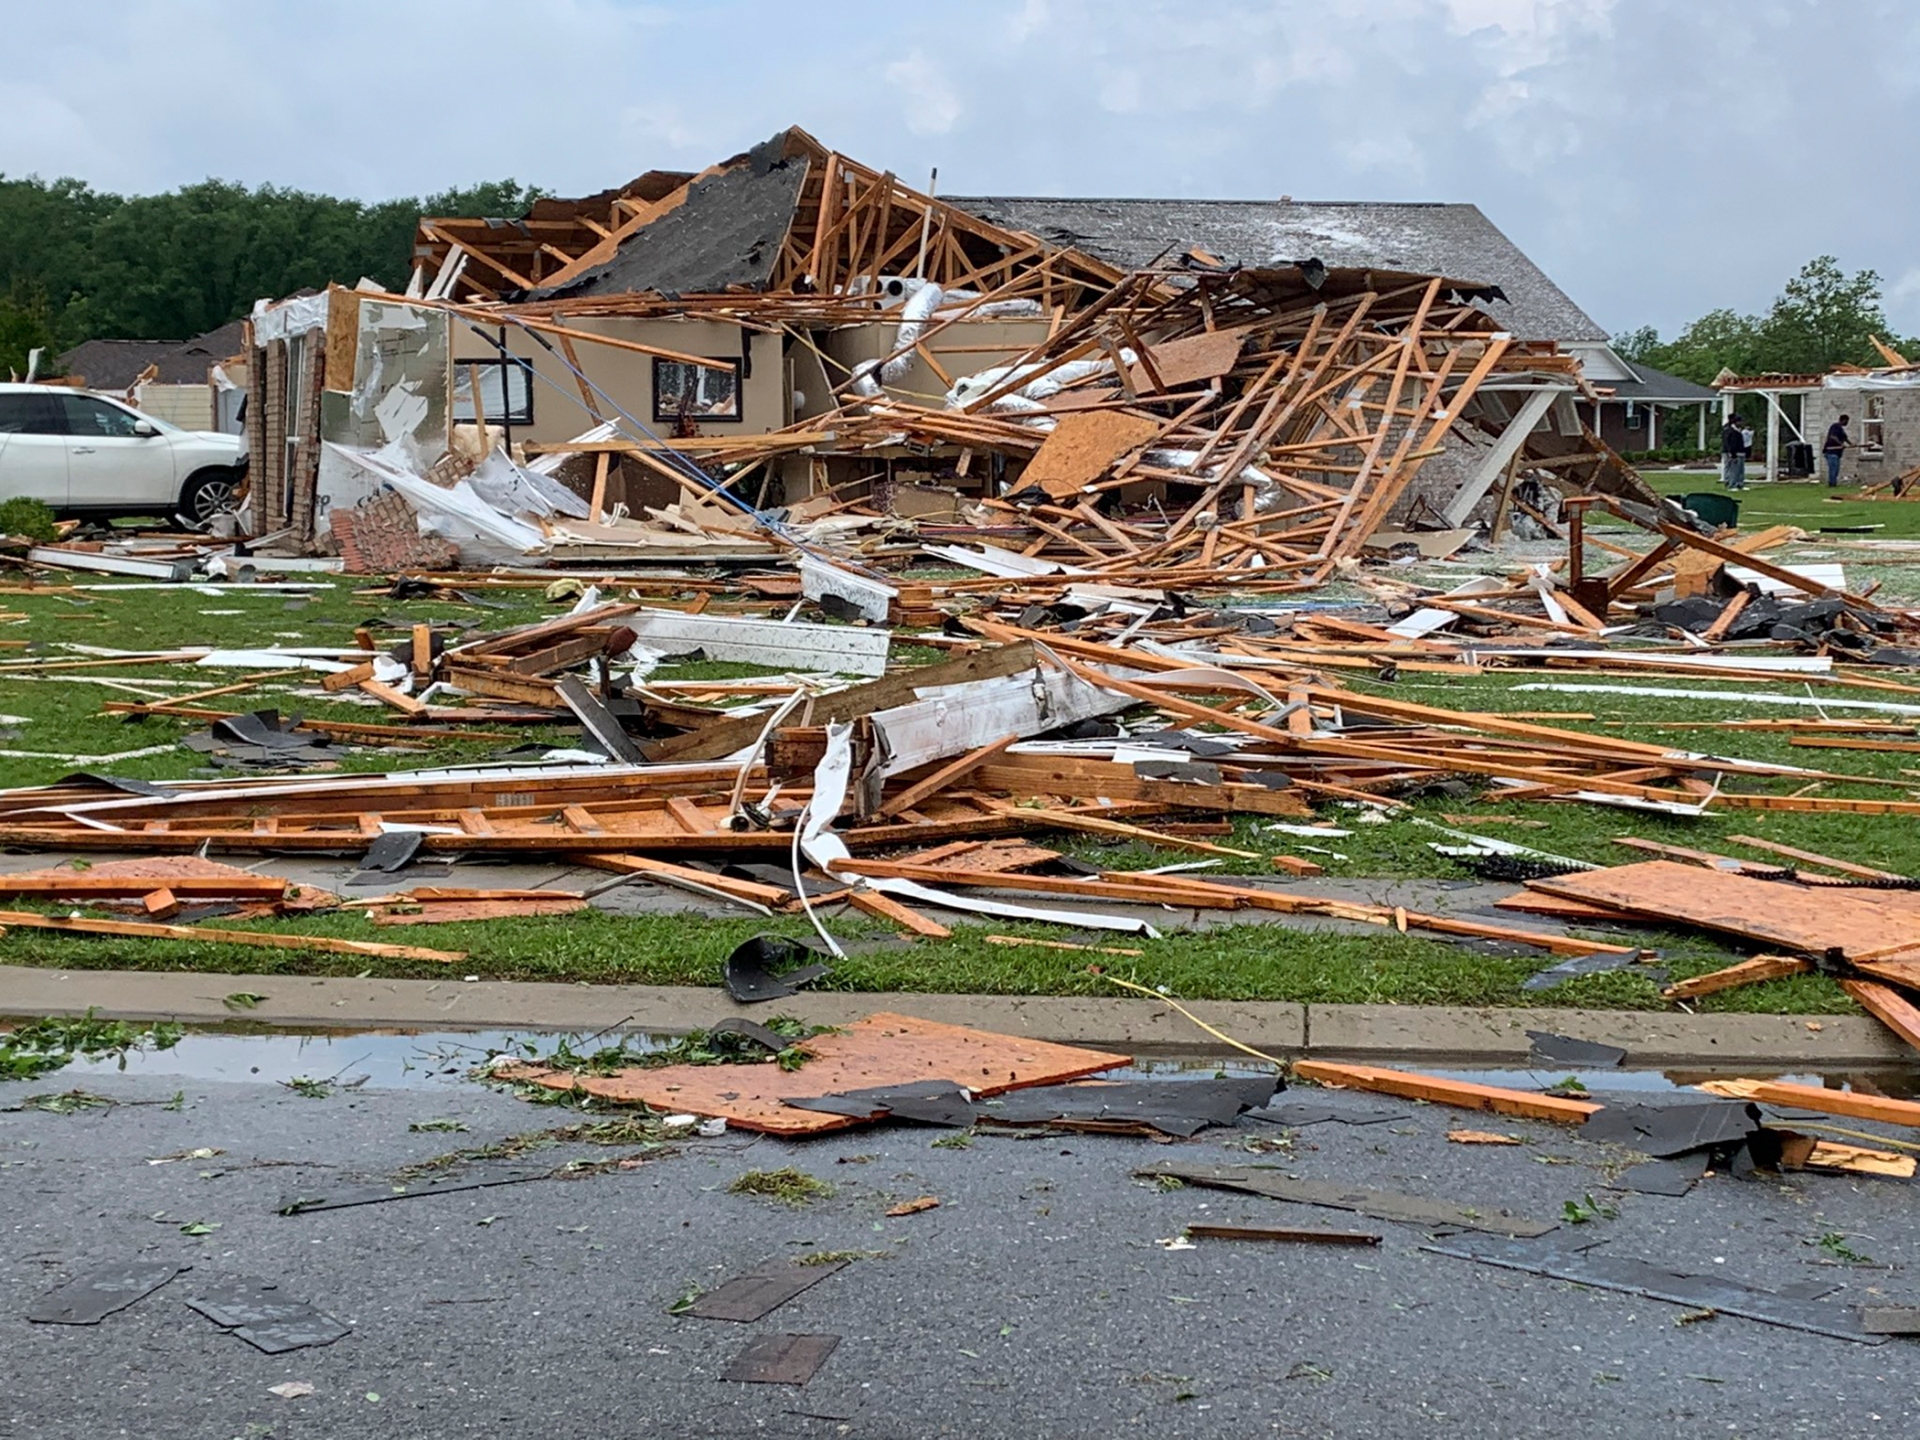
x,y
1428,237
116,364
1658,386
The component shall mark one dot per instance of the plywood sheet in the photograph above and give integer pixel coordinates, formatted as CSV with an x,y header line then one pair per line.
x,y
1180,362
1856,921
880,1051
1082,447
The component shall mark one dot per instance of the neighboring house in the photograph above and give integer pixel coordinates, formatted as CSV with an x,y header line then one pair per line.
x,y
1632,396
195,384
1882,406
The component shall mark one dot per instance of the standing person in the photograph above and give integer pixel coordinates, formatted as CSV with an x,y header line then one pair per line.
x,y
1834,447
1733,456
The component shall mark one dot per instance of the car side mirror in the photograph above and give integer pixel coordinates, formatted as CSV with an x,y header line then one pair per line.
x,y
145,429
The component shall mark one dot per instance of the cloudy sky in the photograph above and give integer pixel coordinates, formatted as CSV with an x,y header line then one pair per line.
x,y
1658,158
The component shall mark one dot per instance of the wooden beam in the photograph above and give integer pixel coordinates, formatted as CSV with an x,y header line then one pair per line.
x,y
206,935
1460,1093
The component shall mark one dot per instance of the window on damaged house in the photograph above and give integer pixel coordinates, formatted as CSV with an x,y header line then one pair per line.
x,y
1873,425
696,392
506,391
1634,416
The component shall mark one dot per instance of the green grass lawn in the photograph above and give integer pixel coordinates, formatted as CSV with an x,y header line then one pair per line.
x,y
1247,962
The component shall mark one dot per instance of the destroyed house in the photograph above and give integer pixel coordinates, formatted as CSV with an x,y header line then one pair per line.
x,y
791,328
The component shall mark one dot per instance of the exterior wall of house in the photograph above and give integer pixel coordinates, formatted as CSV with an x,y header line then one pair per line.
x,y
627,378
1900,427
188,406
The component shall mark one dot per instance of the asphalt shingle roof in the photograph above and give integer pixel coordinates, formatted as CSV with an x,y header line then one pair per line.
x,y
1431,238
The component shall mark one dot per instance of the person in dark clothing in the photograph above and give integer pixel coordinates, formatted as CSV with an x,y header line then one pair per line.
x,y
1733,455
1836,446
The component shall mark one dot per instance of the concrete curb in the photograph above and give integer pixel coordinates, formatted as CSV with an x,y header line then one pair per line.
x,y
1428,1034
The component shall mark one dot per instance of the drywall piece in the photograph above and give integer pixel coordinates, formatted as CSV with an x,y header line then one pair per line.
x,y
89,1298
1380,1204
747,1298
1426,619
954,720
785,645
1824,577
1638,1277
867,598
1432,544
1006,564
59,556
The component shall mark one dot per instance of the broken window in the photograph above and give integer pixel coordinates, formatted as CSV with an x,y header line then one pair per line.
x,y
506,391
1873,425
699,392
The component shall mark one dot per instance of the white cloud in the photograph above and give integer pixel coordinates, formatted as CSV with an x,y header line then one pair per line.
x,y
929,103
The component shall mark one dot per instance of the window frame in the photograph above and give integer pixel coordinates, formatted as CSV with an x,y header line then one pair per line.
x,y
463,371
1873,423
663,415
80,398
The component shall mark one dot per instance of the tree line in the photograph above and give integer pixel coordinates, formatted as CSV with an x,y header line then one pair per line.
x,y
1823,318
79,264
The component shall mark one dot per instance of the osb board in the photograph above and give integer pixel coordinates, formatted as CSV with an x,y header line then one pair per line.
x,y
1531,904
1082,447
343,336
1180,362
878,1051
1857,921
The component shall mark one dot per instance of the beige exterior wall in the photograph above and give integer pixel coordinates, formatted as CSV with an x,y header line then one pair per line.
x,y
626,377
188,406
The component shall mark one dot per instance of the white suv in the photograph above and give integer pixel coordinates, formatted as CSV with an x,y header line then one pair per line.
x,y
82,453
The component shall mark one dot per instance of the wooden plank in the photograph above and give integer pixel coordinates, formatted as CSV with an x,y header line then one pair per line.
x,y
887,908
664,870
1460,1093
347,679
387,695
1294,1233
204,934
1850,1103
1886,1005
941,778
80,885
1845,867
423,652
1746,972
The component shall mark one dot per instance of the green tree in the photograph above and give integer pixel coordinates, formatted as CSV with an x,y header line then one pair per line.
x,y
24,327
1824,318
170,266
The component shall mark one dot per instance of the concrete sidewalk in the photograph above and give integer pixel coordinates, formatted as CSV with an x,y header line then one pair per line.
x,y
1410,1033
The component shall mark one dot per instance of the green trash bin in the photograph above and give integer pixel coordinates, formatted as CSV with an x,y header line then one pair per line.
x,y
1721,510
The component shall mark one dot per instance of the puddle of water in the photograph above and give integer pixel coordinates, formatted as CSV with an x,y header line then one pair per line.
x,y
428,1059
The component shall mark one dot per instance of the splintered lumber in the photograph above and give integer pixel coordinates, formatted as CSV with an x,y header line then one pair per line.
x,y
1888,1006
1747,972
1808,857
879,1051
887,908
1460,1093
83,886
1850,1103
203,934
943,777
1803,1152
419,910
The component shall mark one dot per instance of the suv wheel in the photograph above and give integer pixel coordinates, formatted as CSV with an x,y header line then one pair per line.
x,y
207,494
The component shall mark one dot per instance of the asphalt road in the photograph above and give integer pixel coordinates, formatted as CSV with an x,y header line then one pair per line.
x,y
1037,1301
